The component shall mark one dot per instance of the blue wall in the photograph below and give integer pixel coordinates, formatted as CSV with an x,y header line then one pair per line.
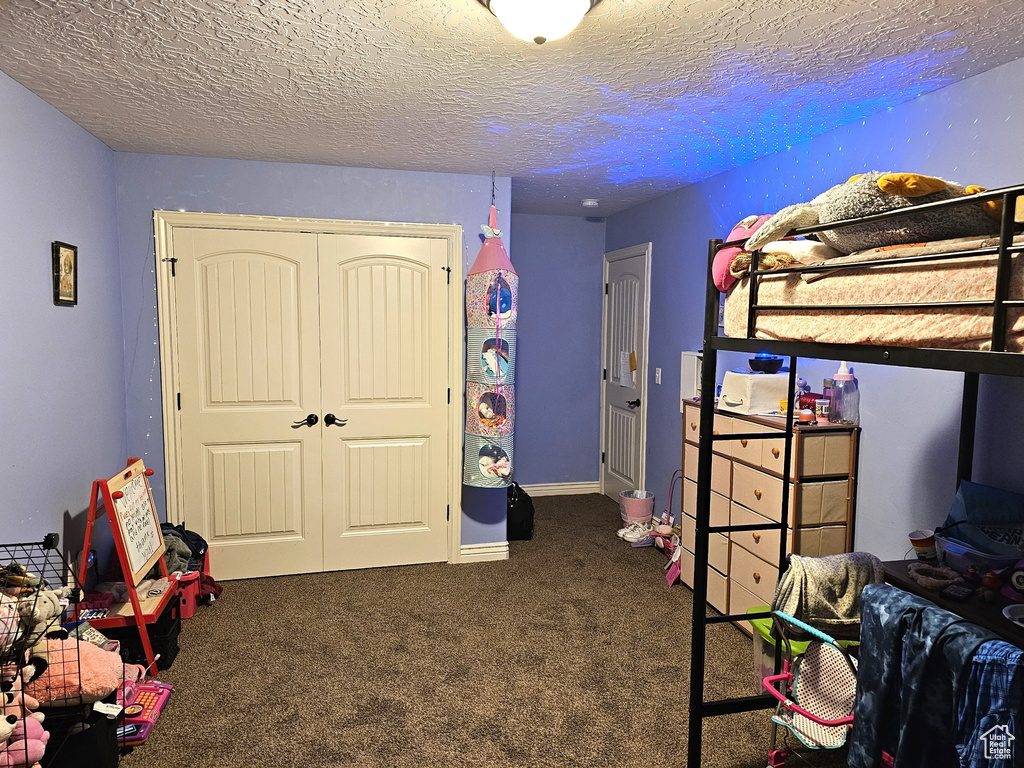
x,y
969,132
62,420
149,182
558,358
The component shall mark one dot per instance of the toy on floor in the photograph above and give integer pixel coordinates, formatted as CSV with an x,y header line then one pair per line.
x,y
877,192
143,703
26,745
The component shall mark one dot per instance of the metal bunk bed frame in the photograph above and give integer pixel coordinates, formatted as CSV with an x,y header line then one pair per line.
x,y
972,363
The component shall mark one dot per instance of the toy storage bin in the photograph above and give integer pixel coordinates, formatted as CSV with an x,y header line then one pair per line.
x,y
188,588
764,646
960,556
636,506
163,636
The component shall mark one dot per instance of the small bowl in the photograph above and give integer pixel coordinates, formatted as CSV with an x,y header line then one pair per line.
x,y
1015,613
765,364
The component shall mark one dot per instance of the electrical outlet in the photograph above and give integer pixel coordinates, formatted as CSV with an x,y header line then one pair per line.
x,y
657,375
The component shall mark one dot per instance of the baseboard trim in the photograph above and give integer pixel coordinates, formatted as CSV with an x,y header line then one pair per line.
x,y
562,489
479,553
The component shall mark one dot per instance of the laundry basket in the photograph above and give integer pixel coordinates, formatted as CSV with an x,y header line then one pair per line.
x,y
636,506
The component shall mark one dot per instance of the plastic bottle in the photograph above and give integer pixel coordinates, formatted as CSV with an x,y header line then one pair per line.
x,y
844,405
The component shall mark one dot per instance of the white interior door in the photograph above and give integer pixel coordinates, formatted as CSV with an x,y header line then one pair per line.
x,y
249,374
384,341
624,386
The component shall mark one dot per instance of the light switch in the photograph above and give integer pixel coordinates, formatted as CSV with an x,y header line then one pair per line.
x,y
657,375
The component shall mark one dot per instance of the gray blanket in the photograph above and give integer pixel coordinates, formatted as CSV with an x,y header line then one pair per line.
x,y
825,591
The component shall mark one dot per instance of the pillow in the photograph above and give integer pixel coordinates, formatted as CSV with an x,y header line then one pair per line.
x,y
724,258
78,673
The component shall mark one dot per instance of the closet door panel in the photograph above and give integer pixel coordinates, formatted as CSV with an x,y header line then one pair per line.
x,y
384,366
248,356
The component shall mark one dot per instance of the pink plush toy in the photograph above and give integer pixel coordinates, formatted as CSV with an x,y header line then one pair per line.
x,y
26,745
7,727
19,705
77,673
725,257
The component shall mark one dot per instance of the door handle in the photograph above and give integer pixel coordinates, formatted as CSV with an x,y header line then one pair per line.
x,y
633,403
331,420
309,421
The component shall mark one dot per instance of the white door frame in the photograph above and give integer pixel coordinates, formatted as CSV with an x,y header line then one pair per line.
x,y
165,221
641,249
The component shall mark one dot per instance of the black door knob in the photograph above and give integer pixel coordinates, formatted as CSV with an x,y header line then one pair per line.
x,y
309,421
633,403
333,421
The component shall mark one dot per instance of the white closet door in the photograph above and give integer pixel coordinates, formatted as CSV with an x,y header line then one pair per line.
x,y
384,362
249,369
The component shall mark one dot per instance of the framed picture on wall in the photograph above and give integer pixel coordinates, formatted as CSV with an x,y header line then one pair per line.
x,y
65,274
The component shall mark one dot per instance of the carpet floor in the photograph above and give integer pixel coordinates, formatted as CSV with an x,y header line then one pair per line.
x,y
573,652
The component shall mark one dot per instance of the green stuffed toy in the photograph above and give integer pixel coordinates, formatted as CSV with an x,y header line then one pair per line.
x,y
877,192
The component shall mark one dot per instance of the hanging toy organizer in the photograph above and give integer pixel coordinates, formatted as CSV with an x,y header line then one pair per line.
x,y
492,307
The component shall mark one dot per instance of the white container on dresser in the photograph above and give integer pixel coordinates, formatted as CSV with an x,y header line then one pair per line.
x,y
746,489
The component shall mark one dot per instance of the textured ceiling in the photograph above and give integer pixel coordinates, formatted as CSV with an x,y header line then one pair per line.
x,y
646,96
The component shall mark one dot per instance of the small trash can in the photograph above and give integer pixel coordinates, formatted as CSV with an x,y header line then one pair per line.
x,y
636,506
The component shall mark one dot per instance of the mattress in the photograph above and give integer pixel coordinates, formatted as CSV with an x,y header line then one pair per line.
x,y
967,279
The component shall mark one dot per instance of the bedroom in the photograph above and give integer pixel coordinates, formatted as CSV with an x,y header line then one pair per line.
x,y
90,374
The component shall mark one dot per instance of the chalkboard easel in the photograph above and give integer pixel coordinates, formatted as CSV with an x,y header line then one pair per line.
x,y
127,502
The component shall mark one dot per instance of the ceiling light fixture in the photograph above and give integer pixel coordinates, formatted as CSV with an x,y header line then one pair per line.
x,y
589,202
539,21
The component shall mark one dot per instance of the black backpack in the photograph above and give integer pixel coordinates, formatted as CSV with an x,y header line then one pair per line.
x,y
520,514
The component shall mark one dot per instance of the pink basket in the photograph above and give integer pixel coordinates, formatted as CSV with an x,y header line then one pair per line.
x,y
636,506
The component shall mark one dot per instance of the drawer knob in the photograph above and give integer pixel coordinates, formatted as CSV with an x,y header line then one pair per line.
x,y
757,537
757,493
693,425
775,452
757,578
743,442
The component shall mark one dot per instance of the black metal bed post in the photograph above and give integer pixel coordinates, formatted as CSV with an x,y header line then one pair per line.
x,y
698,626
968,425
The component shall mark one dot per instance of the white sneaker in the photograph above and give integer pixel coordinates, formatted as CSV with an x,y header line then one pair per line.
x,y
621,533
642,531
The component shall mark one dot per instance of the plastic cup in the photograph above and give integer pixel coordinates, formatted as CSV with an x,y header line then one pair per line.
x,y
923,542
821,411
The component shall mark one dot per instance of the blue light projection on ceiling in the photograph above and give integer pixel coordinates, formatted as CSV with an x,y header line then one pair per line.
x,y
683,132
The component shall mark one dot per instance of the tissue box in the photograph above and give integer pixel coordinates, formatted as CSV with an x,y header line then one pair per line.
x,y
753,392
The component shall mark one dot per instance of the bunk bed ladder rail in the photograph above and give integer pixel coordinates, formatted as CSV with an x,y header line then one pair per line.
x,y
700,709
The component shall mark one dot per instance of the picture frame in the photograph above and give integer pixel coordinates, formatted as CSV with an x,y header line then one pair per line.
x,y
65,274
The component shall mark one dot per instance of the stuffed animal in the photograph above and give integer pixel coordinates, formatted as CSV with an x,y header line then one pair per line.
x,y
41,611
9,622
14,701
26,744
79,673
7,727
877,192
15,579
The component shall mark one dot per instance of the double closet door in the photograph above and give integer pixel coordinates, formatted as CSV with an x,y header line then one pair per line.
x,y
313,419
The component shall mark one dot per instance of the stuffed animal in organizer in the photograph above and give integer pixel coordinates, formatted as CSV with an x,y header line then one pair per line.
x,y
878,192
26,745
